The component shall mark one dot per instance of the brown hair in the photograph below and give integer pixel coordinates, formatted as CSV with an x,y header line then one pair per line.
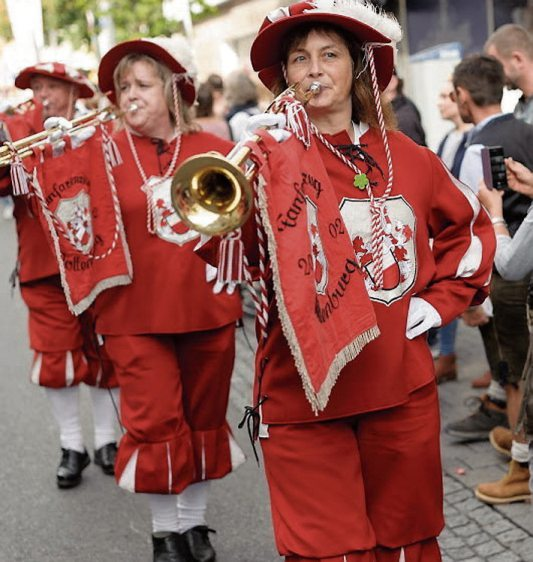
x,y
166,76
511,37
363,103
204,101
482,77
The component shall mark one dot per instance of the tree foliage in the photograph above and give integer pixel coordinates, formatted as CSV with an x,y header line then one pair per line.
x,y
77,20
5,26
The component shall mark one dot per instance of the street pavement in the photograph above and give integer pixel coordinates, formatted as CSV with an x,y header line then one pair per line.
x,y
98,522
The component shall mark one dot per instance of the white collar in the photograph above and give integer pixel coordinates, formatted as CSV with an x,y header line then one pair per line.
x,y
359,129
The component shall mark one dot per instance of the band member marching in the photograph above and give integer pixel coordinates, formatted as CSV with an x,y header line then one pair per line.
x,y
170,338
65,350
347,208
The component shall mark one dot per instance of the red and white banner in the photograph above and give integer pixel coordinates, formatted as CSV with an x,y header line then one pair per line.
x,y
81,214
324,308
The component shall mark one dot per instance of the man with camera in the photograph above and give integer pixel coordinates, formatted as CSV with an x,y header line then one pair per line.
x,y
478,84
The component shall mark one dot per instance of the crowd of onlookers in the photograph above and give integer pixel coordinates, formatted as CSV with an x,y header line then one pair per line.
x,y
224,105
471,101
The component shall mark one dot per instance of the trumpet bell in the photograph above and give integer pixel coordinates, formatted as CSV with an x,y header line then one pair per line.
x,y
210,194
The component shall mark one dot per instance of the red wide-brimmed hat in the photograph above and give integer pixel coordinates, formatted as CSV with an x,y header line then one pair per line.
x,y
359,18
173,52
58,71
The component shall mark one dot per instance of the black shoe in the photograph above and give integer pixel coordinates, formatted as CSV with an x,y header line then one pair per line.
x,y
198,544
105,458
168,548
70,468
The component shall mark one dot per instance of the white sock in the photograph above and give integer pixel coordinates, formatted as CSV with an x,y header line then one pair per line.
x,y
520,451
497,392
104,415
164,513
192,505
65,405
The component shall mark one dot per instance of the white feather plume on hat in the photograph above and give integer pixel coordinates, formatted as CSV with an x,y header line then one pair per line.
x,y
178,47
363,11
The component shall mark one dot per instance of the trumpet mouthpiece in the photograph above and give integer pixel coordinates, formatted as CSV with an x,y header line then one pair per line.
x,y
314,88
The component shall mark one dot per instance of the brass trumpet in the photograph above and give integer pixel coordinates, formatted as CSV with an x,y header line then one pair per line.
x,y
26,146
212,193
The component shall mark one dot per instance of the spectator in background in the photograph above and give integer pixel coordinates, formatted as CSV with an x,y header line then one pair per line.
x,y
512,45
205,116
241,95
407,114
220,107
451,149
514,261
478,81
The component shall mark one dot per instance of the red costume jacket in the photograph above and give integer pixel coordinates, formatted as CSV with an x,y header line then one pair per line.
x,y
440,246
169,293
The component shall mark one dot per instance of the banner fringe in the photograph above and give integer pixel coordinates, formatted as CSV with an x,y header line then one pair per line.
x,y
318,400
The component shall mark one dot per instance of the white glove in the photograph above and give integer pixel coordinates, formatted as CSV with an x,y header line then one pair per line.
x,y
229,287
421,317
274,123
63,126
218,287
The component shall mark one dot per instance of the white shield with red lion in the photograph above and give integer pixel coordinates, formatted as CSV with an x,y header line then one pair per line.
x,y
399,255
168,225
75,215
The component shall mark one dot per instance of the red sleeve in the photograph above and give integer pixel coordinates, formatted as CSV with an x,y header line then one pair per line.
x,y
463,246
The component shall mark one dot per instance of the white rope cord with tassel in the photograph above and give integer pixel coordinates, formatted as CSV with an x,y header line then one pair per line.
x,y
148,189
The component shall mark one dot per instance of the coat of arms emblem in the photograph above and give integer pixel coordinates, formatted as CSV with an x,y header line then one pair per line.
x,y
168,225
74,213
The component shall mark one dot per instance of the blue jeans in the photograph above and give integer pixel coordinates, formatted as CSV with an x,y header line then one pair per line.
x,y
447,338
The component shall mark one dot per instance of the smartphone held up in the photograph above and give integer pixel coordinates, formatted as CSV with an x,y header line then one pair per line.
x,y
494,173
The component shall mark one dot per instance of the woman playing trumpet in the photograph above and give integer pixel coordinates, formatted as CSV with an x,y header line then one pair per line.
x,y
170,338
354,471
64,347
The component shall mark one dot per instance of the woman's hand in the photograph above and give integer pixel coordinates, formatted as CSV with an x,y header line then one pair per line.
x,y
519,178
491,199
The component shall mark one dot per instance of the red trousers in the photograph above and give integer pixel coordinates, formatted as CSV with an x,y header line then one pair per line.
x,y
359,489
65,349
174,392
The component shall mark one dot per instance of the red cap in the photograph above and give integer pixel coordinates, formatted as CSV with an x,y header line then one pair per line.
x,y
58,71
362,21
174,53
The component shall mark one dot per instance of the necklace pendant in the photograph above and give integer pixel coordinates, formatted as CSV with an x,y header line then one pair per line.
x,y
360,181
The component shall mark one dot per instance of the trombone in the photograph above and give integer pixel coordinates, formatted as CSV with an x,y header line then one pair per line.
x,y
212,193
26,146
